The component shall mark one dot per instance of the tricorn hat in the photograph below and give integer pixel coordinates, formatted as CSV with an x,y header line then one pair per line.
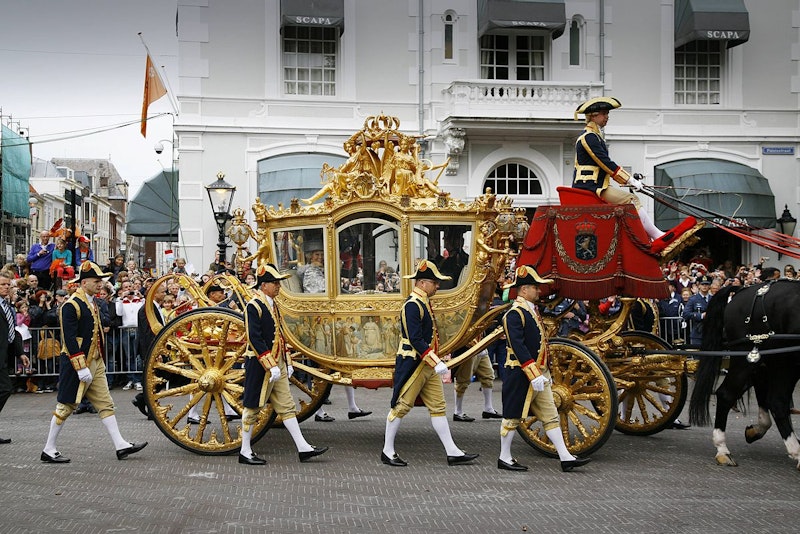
x,y
600,103
90,269
426,270
527,276
213,287
266,273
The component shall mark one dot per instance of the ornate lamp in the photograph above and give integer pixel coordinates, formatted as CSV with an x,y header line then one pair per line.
x,y
220,194
786,224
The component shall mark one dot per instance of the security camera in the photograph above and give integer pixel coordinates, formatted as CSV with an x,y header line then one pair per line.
x,y
159,147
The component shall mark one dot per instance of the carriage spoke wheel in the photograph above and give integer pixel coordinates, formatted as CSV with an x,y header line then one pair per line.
x,y
308,391
658,393
586,398
195,370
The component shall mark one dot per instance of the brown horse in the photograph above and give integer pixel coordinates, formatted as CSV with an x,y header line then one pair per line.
x,y
763,316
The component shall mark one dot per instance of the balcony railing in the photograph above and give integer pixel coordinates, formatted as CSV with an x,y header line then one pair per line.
x,y
513,99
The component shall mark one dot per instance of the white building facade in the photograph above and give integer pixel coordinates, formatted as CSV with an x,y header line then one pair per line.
x,y
270,89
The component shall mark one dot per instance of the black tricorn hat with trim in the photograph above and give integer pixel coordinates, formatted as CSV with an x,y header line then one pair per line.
x,y
426,270
600,103
527,276
266,273
90,269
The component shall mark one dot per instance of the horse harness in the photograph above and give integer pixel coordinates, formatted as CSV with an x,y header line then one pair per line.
x,y
758,306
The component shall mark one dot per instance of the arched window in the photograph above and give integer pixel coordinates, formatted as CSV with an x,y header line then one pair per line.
x,y
284,177
513,179
449,45
576,42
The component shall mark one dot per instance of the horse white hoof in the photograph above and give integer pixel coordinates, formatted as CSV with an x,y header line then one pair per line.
x,y
726,460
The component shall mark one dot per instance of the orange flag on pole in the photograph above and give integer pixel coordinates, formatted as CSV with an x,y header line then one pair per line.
x,y
153,90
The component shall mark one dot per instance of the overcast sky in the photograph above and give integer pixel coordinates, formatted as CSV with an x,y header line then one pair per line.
x,y
69,66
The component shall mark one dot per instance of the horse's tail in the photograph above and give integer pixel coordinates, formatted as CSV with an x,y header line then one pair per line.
x,y
708,370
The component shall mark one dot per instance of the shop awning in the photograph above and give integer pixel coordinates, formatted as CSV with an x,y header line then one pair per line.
x,y
543,15
730,189
711,20
154,213
325,13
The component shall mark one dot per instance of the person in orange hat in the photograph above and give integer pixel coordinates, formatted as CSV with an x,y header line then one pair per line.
x,y
83,370
84,251
527,366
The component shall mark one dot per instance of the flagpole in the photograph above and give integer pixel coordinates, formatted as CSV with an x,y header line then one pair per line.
x,y
170,92
147,49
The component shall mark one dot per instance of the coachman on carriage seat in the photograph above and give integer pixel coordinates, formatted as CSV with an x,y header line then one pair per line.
x,y
594,170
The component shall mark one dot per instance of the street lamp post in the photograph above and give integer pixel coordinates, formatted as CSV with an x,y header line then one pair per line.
x,y
786,224
220,194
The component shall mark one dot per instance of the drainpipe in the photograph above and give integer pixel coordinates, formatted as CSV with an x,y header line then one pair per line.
x,y
421,72
602,22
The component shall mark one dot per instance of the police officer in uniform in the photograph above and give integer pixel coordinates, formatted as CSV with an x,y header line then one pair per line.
x,y
418,368
527,367
695,309
267,371
83,371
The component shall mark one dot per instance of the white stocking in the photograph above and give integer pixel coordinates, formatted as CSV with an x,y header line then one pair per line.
x,y
557,439
110,423
300,442
505,447
487,400
442,429
351,398
649,226
459,409
391,432
247,450
50,447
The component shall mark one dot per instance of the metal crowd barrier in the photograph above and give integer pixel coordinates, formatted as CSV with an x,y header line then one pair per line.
x,y
44,347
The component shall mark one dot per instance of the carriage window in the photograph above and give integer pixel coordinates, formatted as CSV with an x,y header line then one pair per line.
x,y
301,252
368,256
447,245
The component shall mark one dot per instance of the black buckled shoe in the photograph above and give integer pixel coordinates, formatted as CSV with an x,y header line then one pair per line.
x,y
463,459
464,418
251,460
679,425
307,455
56,458
491,415
569,465
359,413
127,451
513,465
4,441
193,420
139,402
324,419
394,461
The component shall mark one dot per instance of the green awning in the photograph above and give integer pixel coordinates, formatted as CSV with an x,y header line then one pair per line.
x,y
542,15
154,213
324,13
730,189
711,20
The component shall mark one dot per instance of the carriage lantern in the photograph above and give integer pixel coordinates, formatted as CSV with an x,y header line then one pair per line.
x,y
786,223
220,193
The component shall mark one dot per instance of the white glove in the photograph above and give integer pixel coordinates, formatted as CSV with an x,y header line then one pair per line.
x,y
539,383
84,375
634,183
274,373
289,371
441,368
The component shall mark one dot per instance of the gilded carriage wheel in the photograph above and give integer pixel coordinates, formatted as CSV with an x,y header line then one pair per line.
x,y
659,389
194,371
308,391
585,396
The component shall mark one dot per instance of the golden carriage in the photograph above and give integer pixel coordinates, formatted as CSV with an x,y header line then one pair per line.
x,y
382,211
